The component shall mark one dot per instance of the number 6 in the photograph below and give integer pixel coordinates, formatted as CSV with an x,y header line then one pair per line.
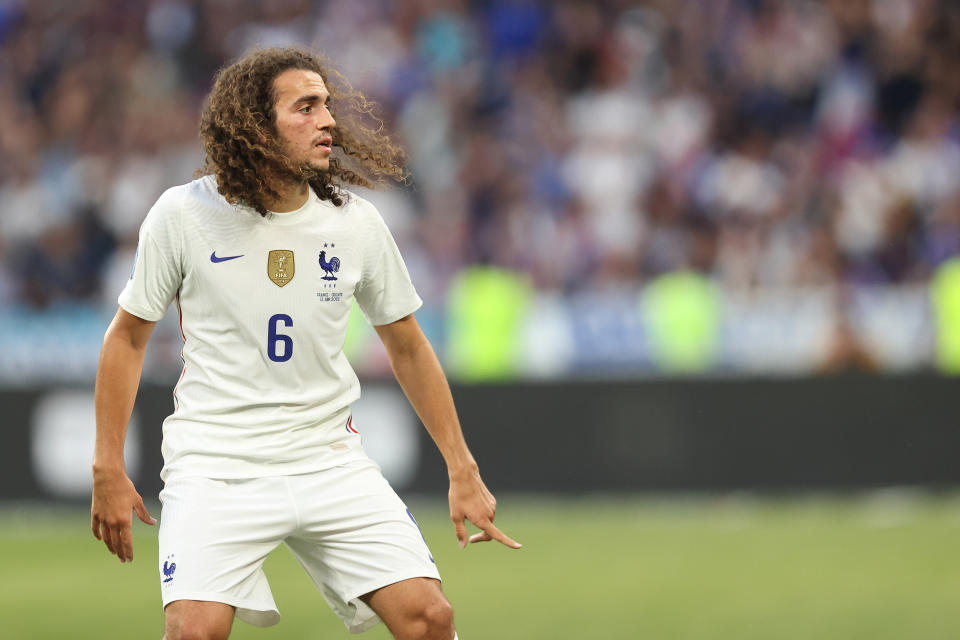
x,y
273,338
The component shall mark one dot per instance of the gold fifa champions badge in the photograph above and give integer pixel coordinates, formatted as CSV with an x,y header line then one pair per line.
x,y
280,266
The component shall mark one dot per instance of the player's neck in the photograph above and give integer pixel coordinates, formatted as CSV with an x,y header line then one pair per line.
x,y
293,195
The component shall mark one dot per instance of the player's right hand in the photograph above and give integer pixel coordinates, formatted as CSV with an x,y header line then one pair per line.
x,y
114,498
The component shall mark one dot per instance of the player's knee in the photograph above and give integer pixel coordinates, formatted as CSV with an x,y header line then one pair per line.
x,y
435,620
196,632
187,620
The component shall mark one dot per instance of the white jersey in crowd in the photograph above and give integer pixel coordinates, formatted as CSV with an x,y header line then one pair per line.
x,y
264,301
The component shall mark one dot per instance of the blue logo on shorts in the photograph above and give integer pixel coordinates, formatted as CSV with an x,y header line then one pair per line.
x,y
168,569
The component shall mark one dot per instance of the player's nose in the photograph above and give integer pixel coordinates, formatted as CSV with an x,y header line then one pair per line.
x,y
326,122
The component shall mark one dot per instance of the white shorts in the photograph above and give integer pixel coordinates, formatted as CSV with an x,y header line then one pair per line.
x,y
346,526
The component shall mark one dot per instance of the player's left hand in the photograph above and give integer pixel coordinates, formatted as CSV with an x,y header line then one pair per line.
x,y
471,500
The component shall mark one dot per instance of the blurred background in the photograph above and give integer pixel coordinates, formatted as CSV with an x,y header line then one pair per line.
x,y
666,248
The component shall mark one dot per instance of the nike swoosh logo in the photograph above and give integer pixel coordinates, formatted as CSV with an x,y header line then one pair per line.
x,y
214,258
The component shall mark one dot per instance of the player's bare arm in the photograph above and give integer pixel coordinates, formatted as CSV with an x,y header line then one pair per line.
x,y
118,376
420,375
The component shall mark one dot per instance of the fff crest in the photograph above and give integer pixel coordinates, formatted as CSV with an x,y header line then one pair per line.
x,y
329,267
168,569
280,267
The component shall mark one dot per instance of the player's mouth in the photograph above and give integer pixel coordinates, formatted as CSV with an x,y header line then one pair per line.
x,y
324,143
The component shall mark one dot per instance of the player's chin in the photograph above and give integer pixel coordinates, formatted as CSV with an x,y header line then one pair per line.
x,y
320,164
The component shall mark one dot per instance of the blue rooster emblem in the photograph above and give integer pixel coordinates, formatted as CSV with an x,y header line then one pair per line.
x,y
330,267
168,569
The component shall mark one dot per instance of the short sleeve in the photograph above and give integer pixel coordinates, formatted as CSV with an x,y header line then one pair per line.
x,y
385,293
157,272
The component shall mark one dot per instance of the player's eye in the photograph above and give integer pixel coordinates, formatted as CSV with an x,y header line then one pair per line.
x,y
306,109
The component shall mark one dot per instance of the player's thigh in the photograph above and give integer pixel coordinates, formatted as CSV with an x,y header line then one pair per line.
x,y
356,537
214,537
195,620
416,601
356,534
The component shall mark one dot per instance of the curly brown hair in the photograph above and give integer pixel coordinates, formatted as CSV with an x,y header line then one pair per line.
x,y
238,129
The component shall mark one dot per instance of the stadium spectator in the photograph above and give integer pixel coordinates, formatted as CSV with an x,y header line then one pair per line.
x,y
579,142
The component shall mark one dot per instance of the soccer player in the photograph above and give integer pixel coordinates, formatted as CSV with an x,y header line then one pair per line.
x,y
264,256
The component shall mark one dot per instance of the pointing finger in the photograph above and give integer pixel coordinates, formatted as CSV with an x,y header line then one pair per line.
x,y
500,537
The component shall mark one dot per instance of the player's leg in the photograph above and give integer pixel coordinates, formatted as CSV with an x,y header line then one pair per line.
x,y
214,537
357,538
413,609
193,620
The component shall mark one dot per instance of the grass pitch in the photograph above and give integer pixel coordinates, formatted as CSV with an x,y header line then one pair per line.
x,y
878,566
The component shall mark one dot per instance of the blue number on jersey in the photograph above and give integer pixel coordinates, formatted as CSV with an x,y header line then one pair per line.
x,y
273,338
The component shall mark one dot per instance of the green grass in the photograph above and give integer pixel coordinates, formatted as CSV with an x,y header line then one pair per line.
x,y
878,566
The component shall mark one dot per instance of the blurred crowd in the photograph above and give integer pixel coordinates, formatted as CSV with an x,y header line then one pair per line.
x,y
588,145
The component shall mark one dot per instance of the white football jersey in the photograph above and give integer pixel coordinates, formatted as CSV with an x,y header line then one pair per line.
x,y
264,301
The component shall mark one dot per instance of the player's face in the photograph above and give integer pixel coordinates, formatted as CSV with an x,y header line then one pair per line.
x,y
303,119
